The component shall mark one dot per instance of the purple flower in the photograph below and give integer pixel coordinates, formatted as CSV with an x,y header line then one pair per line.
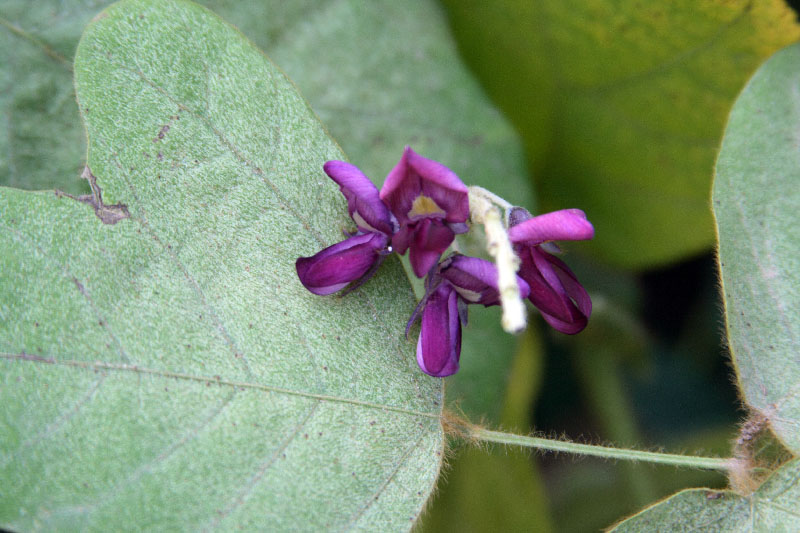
x,y
355,259
459,280
430,203
554,289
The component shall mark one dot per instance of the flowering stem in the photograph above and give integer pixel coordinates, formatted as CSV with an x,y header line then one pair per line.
x,y
689,461
482,211
492,197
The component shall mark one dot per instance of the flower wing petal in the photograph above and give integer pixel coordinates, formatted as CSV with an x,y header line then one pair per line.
x,y
553,287
331,269
475,279
363,200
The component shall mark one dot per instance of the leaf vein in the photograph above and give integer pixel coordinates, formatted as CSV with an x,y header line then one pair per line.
x,y
67,274
375,496
51,428
253,481
163,456
103,365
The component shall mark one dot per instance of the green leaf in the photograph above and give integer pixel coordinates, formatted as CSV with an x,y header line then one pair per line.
x,y
772,507
168,370
380,74
622,105
756,197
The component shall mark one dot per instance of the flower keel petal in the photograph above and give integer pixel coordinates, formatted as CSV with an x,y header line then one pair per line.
x,y
439,344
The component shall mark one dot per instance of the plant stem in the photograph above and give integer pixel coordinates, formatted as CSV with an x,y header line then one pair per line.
x,y
689,461
482,211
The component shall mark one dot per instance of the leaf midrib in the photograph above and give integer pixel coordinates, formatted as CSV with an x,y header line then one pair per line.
x,y
208,380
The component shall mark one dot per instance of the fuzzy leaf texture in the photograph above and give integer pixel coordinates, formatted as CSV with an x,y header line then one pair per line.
x,y
168,370
622,105
756,197
380,75
772,508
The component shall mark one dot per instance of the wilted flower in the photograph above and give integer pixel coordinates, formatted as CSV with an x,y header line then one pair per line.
x,y
459,280
430,203
355,259
554,289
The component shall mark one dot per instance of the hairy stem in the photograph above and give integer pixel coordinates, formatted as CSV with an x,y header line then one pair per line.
x,y
482,211
689,461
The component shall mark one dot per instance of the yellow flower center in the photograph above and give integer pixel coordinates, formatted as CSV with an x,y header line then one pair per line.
x,y
424,205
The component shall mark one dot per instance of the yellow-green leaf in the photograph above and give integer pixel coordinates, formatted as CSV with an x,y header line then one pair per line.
x,y
622,105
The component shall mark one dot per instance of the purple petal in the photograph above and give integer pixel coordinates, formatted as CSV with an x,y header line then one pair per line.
x,y
402,239
422,261
564,225
430,238
475,279
568,328
553,287
571,284
439,344
363,200
442,185
438,191
336,266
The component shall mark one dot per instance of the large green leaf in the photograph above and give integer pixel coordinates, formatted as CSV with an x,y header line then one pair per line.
x,y
756,198
622,105
168,370
772,508
380,74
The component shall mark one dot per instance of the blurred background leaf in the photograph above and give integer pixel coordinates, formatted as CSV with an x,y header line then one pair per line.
x,y
621,105
44,144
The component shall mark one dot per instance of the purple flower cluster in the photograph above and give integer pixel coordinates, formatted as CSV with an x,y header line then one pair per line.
x,y
422,206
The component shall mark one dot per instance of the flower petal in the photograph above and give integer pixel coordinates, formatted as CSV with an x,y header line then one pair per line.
x,y
442,185
363,200
564,225
418,187
553,287
476,279
430,238
568,328
439,344
336,266
402,239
